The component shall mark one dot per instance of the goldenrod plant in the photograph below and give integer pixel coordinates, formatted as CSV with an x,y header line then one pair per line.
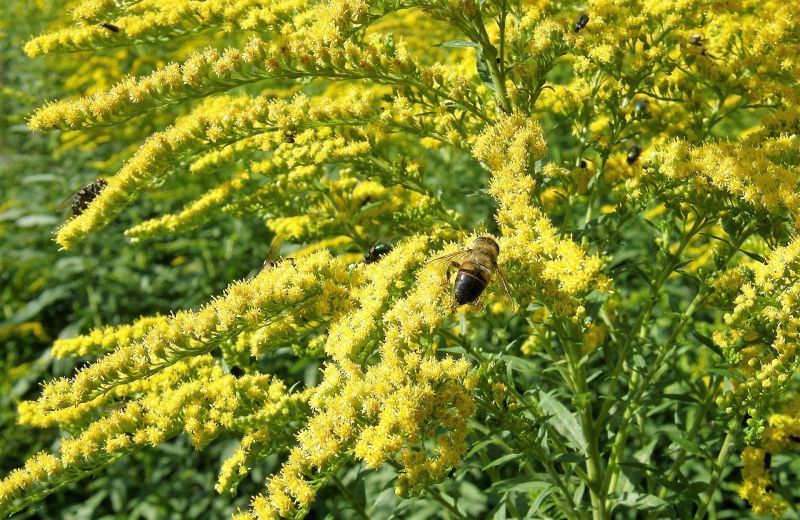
x,y
610,188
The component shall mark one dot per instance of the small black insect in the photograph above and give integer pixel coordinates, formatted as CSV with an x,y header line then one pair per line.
x,y
84,196
376,252
110,27
288,138
640,107
768,460
633,153
581,23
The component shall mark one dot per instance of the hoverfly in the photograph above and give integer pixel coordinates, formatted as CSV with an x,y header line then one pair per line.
x,y
633,154
82,197
476,265
376,252
274,247
581,23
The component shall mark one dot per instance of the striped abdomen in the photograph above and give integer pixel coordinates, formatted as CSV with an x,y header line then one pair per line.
x,y
471,280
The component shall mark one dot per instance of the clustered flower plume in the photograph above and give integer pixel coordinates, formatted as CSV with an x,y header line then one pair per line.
x,y
636,163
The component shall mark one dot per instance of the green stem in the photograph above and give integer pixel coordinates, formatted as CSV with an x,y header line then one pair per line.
x,y
639,388
490,56
538,453
713,388
724,453
439,498
355,505
581,395
644,313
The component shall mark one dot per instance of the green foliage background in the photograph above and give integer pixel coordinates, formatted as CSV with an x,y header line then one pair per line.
x,y
61,294
46,294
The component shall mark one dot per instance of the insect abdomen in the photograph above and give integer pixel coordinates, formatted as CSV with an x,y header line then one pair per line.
x,y
469,285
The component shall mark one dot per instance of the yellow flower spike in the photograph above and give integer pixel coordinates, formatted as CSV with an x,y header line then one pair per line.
x,y
765,303
196,405
116,25
193,333
193,215
410,409
560,271
106,339
190,135
348,335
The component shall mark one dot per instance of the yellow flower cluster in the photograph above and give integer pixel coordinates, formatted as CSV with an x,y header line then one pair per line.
x,y
216,122
395,409
349,335
267,431
410,403
350,204
316,281
346,123
210,71
782,434
194,214
558,269
104,340
194,396
754,177
152,21
762,331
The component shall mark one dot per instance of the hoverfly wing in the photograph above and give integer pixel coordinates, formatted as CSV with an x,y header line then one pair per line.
x,y
64,204
451,257
274,247
506,288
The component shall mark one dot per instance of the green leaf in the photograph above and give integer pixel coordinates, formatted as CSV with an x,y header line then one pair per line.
x,y
34,307
520,485
574,458
478,446
684,443
458,44
683,398
641,501
502,460
483,71
537,504
757,258
562,420
708,342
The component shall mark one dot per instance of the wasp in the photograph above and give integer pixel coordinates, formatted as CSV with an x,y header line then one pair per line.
x,y
581,23
376,252
633,153
475,267
82,197
110,27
